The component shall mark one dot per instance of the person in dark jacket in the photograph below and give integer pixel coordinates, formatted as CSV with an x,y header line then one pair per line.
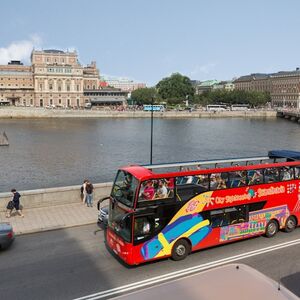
x,y
14,204
89,194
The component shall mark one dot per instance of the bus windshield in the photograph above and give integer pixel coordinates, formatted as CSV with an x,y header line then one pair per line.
x,y
124,188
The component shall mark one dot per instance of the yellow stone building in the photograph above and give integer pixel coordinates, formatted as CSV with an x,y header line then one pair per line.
x,y
55,78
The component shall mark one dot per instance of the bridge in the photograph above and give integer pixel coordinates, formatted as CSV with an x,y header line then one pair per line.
x,y
289,114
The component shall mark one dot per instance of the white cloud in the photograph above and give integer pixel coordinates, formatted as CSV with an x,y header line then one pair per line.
x,y
19,50
203,69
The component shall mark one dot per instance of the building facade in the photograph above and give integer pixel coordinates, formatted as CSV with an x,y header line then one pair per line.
x,y
54,79
123,84
16,84
284,87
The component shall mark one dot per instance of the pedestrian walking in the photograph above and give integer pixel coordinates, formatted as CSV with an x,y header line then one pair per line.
x,y
14,203
89,194
83,191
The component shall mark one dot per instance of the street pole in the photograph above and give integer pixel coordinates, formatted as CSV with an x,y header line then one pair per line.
x,y
151,139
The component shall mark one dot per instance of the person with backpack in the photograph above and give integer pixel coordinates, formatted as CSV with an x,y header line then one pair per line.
x,y
89,193
14,203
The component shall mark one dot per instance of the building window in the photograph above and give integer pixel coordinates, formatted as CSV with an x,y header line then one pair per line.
x,y
50,86
59,101
78,102
77,87
68,87
41,102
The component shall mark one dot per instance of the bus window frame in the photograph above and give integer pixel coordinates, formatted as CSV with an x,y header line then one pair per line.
x,y
155,201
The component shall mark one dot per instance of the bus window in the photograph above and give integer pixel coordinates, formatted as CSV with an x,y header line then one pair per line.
x,y
237,214
124,188
237,179
156,189
271,175
228,216
185,190
217,182
255,176
147,190
256,206
143,227
297,172
218,218
286,173
163,190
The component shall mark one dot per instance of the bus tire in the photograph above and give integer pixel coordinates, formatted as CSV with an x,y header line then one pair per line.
x,y
271,228
181,249
290,224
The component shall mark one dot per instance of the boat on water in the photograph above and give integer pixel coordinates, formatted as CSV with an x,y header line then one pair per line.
x,y
4,140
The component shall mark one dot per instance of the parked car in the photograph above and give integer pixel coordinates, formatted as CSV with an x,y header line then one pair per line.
x,y
103,212
6,235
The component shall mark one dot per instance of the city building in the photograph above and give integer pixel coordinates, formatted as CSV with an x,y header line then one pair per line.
x,y
55,79
254,82
16,84
286,89
123,84
283,86
224,85
58,78
105,96
205,86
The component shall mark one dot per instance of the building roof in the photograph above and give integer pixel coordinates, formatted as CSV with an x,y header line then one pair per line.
x,y
53,51
208,83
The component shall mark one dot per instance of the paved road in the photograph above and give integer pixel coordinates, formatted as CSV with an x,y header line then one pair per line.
x,y
70,263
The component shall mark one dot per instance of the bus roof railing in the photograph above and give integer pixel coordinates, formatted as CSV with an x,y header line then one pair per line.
x,y
206,162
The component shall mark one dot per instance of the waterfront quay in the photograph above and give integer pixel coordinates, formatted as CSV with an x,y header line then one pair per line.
x,y
292,115
35,113
53,208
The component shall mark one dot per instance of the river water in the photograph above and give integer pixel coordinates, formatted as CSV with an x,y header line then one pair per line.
x,y
60,152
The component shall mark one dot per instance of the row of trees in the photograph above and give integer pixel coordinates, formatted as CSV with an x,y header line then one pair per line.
x,y
177,88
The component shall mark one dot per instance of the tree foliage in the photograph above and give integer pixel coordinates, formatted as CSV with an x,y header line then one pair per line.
x,y
175,88
144,95
251,98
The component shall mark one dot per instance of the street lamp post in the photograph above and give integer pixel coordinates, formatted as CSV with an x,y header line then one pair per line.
x,y
151,138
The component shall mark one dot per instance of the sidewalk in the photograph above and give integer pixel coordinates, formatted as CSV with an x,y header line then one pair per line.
x,y
54,217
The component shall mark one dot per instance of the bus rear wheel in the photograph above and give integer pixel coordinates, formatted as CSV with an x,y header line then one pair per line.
x,y
271,228
181,249
290,224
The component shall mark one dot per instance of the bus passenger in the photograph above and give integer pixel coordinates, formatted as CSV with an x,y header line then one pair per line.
x,y
149,191
162,191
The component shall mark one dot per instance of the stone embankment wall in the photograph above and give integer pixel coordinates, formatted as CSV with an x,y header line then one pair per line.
x,y
54,196
19,112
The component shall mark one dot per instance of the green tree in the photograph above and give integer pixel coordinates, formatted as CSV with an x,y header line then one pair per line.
x,y
174,87
144,95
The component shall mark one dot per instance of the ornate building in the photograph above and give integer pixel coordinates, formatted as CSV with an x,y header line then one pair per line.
x,y
55,78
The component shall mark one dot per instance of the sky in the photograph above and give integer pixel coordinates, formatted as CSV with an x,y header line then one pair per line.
x,y
149,40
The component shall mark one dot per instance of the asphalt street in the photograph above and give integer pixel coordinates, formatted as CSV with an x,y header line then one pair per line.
x,y
74,262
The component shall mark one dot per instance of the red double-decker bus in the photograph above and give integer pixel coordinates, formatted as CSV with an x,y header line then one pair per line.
x,y
170,210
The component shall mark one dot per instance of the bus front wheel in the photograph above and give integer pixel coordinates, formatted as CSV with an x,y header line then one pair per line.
x,y
181,249
271,228
290,224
